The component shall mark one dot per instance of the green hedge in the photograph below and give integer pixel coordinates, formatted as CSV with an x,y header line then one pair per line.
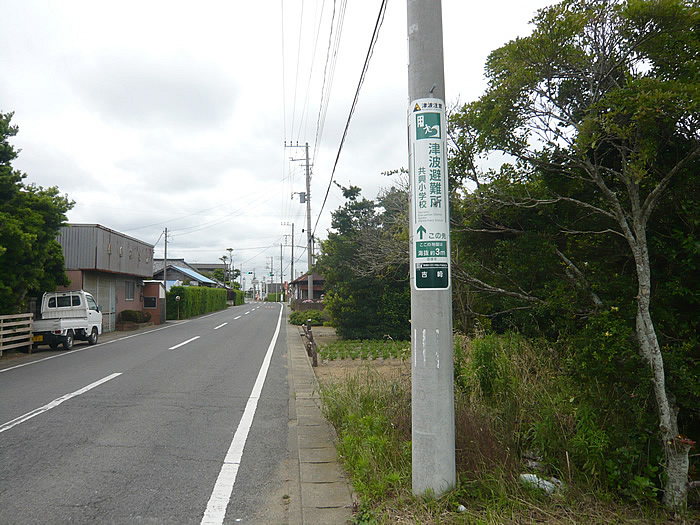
x,y
194,301
238,297
317,317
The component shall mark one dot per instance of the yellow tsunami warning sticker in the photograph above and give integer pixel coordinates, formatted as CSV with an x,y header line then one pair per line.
x,y
417,108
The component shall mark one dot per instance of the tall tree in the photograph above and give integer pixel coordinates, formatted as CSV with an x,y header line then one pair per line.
x,y
600,107
367,293
30,217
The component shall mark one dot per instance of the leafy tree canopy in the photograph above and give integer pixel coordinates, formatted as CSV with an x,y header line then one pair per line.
x,y
599,109
365,265
30,217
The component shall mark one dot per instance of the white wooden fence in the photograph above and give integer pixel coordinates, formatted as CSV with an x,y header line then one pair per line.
x,y
16,331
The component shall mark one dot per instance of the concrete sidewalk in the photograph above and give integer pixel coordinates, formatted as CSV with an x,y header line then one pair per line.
x,y
325,494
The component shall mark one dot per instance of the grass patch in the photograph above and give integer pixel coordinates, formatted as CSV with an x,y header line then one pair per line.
x,y
365,349
502,390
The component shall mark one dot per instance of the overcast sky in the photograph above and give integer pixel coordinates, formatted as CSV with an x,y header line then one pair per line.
x,y
154,114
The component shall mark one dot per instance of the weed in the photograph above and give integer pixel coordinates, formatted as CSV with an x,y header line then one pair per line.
x,y
509,397
365,349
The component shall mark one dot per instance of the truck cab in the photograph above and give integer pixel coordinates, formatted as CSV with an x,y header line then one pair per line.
x,y
66,316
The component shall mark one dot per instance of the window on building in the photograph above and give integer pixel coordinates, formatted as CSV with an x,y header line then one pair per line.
x,y
150,302
129,295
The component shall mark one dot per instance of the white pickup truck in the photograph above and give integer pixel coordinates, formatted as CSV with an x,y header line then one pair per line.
x,y
66,316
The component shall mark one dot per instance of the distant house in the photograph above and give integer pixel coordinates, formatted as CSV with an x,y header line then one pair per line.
x,y
209,267
181,272
108,264
300,287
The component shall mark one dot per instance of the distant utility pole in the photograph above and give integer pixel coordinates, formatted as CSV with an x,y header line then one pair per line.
x,y
433,421
291,275
309,236
230,262
165,275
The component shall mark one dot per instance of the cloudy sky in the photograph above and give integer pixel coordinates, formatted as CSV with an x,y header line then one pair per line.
x,y
153,114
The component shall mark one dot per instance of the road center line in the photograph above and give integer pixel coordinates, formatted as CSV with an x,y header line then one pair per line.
x,y
55,403
221,495
184,343
237,317
220,326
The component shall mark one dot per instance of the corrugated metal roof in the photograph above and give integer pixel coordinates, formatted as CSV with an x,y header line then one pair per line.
x,y
196,276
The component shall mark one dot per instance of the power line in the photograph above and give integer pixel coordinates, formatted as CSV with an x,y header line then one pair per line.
x,y
375,35
329,72
303,120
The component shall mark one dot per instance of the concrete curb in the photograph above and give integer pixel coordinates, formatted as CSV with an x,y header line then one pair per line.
x,y
324,491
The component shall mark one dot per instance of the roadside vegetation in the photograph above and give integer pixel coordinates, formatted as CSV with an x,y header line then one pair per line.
x,y
518,411
30,220
366,349
317,317
184,302
574,275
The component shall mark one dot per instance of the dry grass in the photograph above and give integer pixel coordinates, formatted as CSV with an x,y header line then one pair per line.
x,y
487,467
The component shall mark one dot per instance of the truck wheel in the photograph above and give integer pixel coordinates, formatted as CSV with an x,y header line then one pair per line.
x,y
68,341
92,339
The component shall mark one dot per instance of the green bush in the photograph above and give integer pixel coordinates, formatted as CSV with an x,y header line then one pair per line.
x,y
573,406
317,317
135,316
194,301
238,297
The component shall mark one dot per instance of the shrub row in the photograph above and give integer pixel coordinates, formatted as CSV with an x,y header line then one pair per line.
x,y
194,300
238,297
134,316
317,317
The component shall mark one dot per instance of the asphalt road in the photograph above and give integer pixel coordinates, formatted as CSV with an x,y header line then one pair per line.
x,y
150,428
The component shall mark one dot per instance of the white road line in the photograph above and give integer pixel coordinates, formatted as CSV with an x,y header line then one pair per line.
x,y
55,403
184,343
83,348
238,317
220,326
221,495
247,312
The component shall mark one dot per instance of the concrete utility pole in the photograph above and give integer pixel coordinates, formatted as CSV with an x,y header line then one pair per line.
x,y
433,422
165,274
291,275
309,247
306,197
230,262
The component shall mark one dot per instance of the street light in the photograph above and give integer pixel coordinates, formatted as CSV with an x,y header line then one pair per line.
x,y
230,260
223,259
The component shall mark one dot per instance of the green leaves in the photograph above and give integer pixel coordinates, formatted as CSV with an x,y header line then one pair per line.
x,y
365,265
30,218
